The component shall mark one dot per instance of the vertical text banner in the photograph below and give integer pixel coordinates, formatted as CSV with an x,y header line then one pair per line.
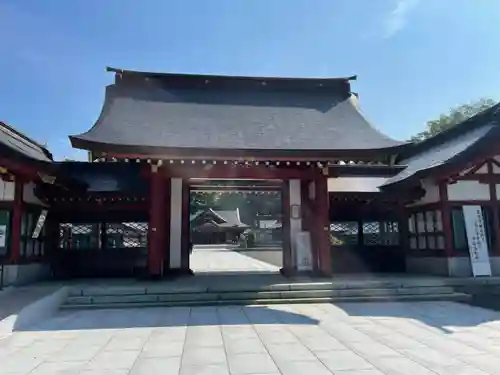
x,y
476,238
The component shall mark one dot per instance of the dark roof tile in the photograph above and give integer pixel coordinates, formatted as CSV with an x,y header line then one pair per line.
x,y
22,144
243,118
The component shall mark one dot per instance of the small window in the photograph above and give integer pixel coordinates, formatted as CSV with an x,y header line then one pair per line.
x,y
431,242
440,242
421,242
459,232
411,224
413,243
429,221
344,233
439,221
420,222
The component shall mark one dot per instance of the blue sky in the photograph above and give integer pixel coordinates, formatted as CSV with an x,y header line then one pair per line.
x,y
414,58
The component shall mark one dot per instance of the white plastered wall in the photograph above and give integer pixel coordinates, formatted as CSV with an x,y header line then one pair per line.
x,y
468,190
175,222
6,190
295,223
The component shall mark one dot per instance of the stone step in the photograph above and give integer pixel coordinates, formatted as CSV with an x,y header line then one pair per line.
x,y
236,287
459,297
245,295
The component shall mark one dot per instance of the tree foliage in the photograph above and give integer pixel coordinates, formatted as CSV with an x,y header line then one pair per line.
x,y
453,117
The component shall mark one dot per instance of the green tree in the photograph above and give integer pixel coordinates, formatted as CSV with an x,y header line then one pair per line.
x,y
455,116
202,200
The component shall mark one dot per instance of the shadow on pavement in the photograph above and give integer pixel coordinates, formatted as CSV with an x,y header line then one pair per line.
x,y
170,317
441,315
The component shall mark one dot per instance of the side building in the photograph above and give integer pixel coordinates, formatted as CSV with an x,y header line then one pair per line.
x,y
25,166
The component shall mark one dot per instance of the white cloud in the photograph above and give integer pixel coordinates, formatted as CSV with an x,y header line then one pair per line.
x,y
397,18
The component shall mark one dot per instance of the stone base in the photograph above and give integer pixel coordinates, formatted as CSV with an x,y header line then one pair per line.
x,y
436,266
441,266
22,274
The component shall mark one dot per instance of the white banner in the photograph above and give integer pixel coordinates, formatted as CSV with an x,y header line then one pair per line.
x,y
303,251
39,224
476,238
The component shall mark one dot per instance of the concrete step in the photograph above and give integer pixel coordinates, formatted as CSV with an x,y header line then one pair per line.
x,y
458,297
238,287
246,295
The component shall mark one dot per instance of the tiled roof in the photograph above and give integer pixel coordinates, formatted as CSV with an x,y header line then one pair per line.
x,y
22,144
142,116
229,218
457,146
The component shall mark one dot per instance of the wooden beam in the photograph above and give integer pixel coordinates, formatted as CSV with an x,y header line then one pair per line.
x,y
205,188
236,172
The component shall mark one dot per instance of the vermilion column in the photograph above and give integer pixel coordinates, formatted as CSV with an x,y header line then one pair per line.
x,y
15,229
322,224
495,209
157,222
446,218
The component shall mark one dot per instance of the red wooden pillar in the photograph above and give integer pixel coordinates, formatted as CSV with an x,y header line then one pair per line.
x,y
17,215
495,209
446,218
157,223
322,224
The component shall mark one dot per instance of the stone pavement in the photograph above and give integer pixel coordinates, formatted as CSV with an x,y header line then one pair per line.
x,y
15,299
316,339
222,259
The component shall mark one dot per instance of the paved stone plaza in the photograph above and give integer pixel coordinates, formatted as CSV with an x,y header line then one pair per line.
x,y
345,339
218,258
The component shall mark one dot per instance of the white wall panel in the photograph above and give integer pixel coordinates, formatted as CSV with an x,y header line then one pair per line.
x,y
295,223
468,190
6,190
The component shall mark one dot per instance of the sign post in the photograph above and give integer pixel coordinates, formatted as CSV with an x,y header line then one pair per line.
x,y
476,238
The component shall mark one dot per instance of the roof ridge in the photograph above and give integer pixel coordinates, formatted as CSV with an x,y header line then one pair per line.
x,y
222,76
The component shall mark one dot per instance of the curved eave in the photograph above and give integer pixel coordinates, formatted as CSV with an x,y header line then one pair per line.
x,y
91,145
481,148
102,137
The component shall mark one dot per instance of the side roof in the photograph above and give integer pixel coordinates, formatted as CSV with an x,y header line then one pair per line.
x,y
154,113
456,146
230,218
13,141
